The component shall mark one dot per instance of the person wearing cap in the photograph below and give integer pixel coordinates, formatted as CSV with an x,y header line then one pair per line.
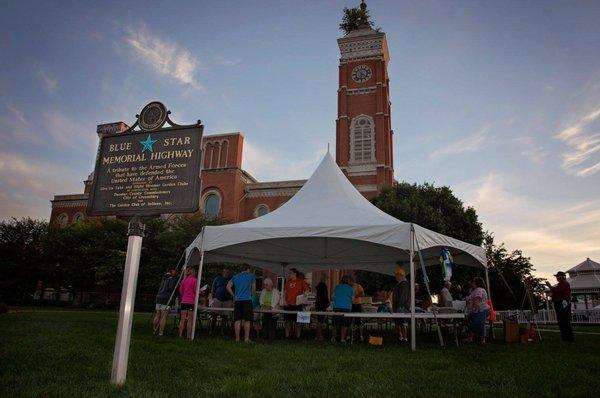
x,y
401,302
561,297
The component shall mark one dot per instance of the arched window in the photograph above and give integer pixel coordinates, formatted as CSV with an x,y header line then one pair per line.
x,y
62,220
224,149
216,155
207,155
78,216
362,140
212,205
261,210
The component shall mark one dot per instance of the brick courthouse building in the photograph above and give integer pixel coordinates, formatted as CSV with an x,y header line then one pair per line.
x,y
364,145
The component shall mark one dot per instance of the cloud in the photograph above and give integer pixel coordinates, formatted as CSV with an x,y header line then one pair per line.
x,y
228,62
50,83
67,132
532,151
15,126
267,164
583,139
555,236
469,143
165,57
27,185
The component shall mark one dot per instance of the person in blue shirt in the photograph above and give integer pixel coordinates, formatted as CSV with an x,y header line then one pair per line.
x,y
220,296
244,285
342,302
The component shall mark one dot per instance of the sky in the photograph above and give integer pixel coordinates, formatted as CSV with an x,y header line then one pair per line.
x,y
498,100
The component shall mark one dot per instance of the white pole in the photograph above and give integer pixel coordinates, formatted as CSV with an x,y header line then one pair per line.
x,y
132,264
413,331
198,283
489,292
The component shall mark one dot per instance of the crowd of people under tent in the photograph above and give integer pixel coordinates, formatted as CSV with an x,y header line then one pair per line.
x,y
239,292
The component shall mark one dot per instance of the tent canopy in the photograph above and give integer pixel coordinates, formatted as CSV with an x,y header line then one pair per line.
x,y
327,224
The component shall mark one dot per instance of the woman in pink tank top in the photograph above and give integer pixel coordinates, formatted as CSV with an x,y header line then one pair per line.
x,y
187,292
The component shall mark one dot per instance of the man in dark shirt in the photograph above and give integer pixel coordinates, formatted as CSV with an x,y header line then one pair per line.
x,y
165,291
220,296
561,297
401,302
321,303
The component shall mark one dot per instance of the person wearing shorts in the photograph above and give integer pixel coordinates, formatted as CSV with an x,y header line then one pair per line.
x,y
342,302
294,287
187,292
165,292
244,285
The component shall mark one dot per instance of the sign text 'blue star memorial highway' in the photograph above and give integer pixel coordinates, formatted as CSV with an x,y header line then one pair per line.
x,y
148,172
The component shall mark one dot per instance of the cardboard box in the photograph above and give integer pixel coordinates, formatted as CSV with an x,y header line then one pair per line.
x,y
511,331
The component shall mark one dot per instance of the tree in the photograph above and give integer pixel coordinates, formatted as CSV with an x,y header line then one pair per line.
x,y
432,207
21,256
510,268
355,18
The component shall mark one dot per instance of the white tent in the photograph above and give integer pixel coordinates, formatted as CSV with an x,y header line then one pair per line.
x,y
328,224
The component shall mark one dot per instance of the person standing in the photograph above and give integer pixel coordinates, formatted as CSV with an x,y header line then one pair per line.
x,y
187,292
342,302
269,300
561,298
478,309
165,291
244,284
401,302
321,304
294,287
220,296
359,293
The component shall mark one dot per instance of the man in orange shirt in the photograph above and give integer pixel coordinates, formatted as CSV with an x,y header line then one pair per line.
x,y
357,304
294,287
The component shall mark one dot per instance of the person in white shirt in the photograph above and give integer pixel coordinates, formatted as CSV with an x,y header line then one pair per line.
x,y
269,300
445,299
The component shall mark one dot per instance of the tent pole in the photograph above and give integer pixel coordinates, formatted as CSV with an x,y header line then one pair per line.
x,y
426,280
198,283
489,292
178,279
413,331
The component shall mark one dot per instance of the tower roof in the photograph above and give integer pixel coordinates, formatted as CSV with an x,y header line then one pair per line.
x,y
587,265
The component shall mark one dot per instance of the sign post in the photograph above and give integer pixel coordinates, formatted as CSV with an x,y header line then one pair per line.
x,y
132,263
140,173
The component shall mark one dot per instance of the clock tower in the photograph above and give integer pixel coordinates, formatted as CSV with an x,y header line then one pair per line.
x,y
364,148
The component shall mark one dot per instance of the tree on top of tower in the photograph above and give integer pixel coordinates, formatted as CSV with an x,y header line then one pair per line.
x,y
356,18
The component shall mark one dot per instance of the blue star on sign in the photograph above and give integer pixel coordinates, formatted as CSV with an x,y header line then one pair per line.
x,y
147,144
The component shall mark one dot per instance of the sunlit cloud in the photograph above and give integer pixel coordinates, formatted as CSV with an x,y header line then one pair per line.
x,y
532,151
469,143
163,56
555,235
583,139
27,185
268,164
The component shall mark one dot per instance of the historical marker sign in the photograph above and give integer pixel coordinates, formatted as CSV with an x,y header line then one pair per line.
x,y
151,171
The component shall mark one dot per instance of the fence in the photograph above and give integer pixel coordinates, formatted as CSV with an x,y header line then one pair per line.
x,y
549,316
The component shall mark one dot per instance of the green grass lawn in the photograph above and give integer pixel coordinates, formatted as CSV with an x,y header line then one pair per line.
x,y
69,353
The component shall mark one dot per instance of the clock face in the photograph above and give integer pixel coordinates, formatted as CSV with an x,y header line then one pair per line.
x,y
361,73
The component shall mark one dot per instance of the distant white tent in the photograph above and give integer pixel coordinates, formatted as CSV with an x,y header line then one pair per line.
x,y
328,224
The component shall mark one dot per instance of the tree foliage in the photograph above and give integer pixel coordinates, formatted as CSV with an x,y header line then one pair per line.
x,y
355,18
509,270
21,254
90,254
